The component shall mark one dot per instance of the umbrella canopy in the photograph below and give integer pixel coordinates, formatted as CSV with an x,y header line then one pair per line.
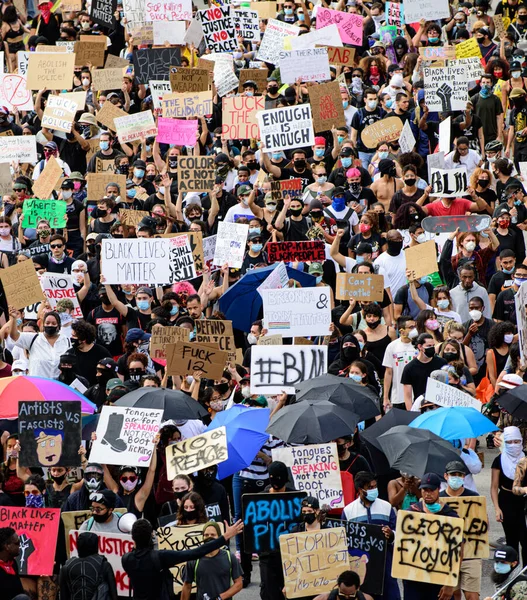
x,y
22,387
175,404
342,391
246,435
515,401
416,451
242,303
454,422
312,422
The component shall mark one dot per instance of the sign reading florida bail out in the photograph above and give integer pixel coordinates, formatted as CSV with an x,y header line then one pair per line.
x,y
288,127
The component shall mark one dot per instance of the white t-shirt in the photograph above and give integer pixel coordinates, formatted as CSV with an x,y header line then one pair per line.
x,y
468,162
396,356
340,214
394,270
238,211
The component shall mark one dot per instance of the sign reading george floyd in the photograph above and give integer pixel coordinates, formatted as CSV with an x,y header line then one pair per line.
x,y
139,261
196,173
359,286
49,433
288,127
296,251
196,453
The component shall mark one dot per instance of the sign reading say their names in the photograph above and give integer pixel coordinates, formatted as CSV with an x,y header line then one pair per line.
x,y
443,394
197,453
138,261
309,64
326,105
359,286
288,127
297,312
473,510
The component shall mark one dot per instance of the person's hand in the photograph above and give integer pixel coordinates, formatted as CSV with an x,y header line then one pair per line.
x,y
82,451
473,329
497,439
3,437
387,406
93,436
410,276
197,375
12,312
453,234
287,201
471,191
17,447
166,181
232,530
225,269
446,592
209,287
157,439
388,533
340,233
499,515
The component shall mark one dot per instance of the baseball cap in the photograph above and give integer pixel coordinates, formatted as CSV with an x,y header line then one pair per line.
x,y
320,141
346,151
144,290
109,363
364,248
456,466
21,364
312,502
106,497
91,236
511,381
243,190
135,334
506,553
254,236
338,191
114,383
51,146
430,481
315,267
140,164
67,184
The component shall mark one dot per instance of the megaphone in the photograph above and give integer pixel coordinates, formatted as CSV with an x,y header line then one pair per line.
x,y
126,522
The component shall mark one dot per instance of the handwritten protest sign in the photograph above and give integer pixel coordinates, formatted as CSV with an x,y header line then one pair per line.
x,y
448,183
473,510
259,76
197,453
59,113
126,435
139,261
415,535
6,183
421,260
446,88
49,433
37,529
59,286
161,336
239,117
189,104
216,332
97,183
407,139
349,25
467,49
154,63
315,468
307,554
72,520
278,279
21,284
340,56
288,127
218,28
107,115
92,49
177,131
225,78
196,173
53,211
292,251
196,243
107,79
246,24
286,187
326,106
209,248
102,12
435,53
415,10
443,394
181,259
268,516
14,92
191,357
273,40
186,79
230,244
520,301
327,36
172,10
359,286
136,126
385,130
309,64
112,546
22,148
297,312
473,67
158,90
48,179
270,340
51,71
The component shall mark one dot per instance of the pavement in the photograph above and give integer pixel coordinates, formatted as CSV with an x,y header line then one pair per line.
x,y
495,531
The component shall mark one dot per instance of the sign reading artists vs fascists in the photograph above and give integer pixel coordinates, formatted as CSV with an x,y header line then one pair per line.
x,y
288,127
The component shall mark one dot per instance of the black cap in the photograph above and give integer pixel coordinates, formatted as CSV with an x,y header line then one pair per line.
x,y
456,466
250,83
140,164
106,497
338,191
346,151
67,184
364,248
430,481
221,158
506,553
312,502
502,209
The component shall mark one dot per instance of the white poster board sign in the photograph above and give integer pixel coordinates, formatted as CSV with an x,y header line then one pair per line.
x,y
59,286
273,40
446,88
141,261
309,64
448,183
285,128
445,395
231,240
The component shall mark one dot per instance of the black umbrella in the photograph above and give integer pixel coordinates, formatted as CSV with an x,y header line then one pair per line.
x,y
515,401
175,404
341,391
416,451
312,422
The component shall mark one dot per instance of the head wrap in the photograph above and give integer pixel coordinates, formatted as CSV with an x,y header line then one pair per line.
x,y
511,454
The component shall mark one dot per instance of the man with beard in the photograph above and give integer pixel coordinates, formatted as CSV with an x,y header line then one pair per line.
x,y
92,482
103,519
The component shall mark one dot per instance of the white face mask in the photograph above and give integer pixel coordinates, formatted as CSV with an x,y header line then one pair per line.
x,y
421,238
252,339
470,246
475,315
246,392
85,81
413,334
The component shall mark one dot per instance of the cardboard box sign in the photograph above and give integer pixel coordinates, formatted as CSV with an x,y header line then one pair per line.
x,y
360,287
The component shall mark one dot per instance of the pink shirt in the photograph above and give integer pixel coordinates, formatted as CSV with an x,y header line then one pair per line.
x,y
458,208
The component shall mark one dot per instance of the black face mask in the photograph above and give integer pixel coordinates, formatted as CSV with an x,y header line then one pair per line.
x,y
299,164
252,165
123,169
59,479
222,388
100,518
272,89
104,298
190,515
75,343
277,483
483,183
374,324
179,495
350,353
296,212
450,356
429,352
91,248
394,248
309,518
410,182
50,330
341,449
150,177
172,163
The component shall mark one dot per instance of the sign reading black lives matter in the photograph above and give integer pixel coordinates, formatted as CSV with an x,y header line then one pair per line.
x,y
288,127
154,63
49,433
446,88
125,436
196,453
102,12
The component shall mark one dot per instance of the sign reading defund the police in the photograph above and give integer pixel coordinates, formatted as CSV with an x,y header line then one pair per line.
x,y
284,128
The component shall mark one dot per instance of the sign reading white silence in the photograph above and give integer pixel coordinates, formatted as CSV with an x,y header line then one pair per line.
x,y
288,127
448,183
297,312
278,369
443,394
139,261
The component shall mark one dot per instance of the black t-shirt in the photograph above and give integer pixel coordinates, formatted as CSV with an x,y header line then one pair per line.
x,y
466,492
487,110
490,198
295,231
400,198
134,318
499,282
365,197
109,327
250,262
416,373
471,132
362,119
505,308
504,481
306,177
375,240
88,361
73,211
354,464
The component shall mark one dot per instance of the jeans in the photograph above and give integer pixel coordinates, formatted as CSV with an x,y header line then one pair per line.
x,y
365,158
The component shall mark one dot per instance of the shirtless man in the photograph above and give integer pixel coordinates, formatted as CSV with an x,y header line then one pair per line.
x,y
387,184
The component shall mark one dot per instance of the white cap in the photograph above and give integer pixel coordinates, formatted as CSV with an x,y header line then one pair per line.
x,y
511,381
20,364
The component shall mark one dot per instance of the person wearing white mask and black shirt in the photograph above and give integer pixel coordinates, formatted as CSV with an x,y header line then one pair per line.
x,y
501,280
505,309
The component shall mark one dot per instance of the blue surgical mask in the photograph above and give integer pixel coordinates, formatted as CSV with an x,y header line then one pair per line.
x,y
423,280
143,304
255,230
139,173
502,568
359,259
19,322
131,192
389,103
276,155
319,152
148,148
345,104
383,155
339,203
518,281
372,495
356,377
455,482
104,145
318,279
322,179
288,11
301,16
443,304
435,507
508,271
433,40
361,344
257,247
174,311
346,162
340,138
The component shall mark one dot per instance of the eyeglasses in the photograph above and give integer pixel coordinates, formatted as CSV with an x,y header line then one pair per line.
x,y
56,246
346,596
96,510
27,493
130,478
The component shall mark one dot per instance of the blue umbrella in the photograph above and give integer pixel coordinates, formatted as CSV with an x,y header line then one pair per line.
x,y
242,303
454,422
246,434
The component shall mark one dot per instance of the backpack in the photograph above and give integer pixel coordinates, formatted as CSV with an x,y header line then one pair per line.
x,y
229,556
85,578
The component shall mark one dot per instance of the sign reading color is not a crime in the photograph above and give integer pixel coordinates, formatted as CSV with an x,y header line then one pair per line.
x,y
195,173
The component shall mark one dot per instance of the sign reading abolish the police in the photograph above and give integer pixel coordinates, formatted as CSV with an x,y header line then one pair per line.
x,y
195,173
196,453
301,251
284,128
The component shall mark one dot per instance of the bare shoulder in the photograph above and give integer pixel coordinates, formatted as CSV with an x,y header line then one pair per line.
x,y
324,596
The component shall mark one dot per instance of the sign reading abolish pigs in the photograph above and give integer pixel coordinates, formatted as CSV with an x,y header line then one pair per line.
x,y
301,251
195,173
218,28
239,117
285,128
196,453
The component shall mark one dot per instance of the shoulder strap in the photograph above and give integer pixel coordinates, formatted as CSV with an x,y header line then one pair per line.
x,y
32,342
91,520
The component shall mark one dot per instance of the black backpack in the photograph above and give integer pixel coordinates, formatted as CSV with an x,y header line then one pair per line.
x,y
85,578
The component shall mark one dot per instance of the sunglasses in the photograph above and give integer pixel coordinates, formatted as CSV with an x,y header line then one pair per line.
x,y
56,245
130,478
27,493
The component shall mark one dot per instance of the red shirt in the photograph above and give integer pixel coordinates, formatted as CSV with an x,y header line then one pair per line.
x,y
459,207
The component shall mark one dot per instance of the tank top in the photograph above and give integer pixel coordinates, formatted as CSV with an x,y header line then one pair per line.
x,y
378,347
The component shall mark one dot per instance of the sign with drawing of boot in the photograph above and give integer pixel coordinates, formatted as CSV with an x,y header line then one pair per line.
x,y
125,436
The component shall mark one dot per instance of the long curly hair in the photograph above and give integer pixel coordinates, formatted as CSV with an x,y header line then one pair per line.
x,y
402,216
199,507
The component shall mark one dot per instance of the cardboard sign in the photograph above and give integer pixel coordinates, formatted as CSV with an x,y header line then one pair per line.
x,y
49,433
239,117
468,49
309,64
473,510
53,211
59,286
247,24
268,516
105,166
415,10
48,179
326,106
305,555
51,71
231,240
259,76
270,340
97,183
196,453
360,286
181,259
273,40
288,127
443,394
349,25
91,49
433,53
102,12
135,127
175,10
315,468
140,261
186,79
107,79
265,10
72,520
520,301
37,529
14,92
215,332
155,63
446,88
161,336
59,113
132,218
421,260
341,56
189,104
498,26
190,357
385,130
107,115
415,535
218,28
314,251
448,183
284,188
6,183
297,312
22,148
112,62
112,546
177,131
21,284
126,435
196,173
